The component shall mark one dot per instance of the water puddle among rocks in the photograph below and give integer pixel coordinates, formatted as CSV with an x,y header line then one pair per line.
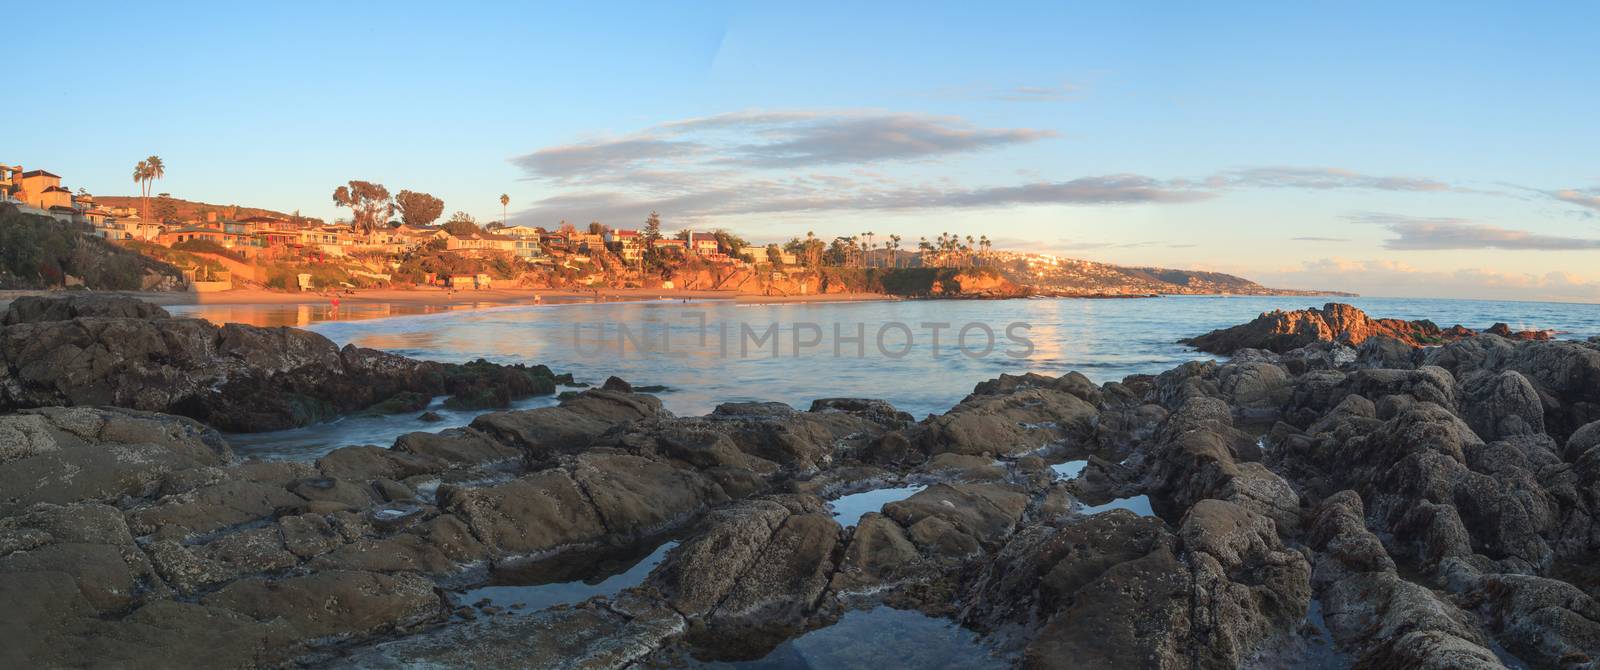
x,y
564,580
1069,469
848,510
312,442
878,639
1139,505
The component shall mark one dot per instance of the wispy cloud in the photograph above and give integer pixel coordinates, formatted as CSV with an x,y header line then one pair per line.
x,y
1582,197
766,162
1319,239
1322,178
801,139
589,158
1440,233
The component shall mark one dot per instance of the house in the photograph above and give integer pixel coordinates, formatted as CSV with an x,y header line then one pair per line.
x,y
528,248
521,232
586,242
626,244
787,258
191,233
665,244
8,183
42,190
481,242
702,243
462,281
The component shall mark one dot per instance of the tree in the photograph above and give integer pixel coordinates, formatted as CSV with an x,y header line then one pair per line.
x,y
141,173
368,202
505,201
652,234
154,169
461,224
893,245
418,209
166,210
597,228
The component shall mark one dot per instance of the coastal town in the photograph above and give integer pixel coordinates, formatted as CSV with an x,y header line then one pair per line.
x,y
398,240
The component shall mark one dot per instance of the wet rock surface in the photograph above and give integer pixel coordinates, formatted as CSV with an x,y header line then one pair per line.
x,y
1381,509
91,349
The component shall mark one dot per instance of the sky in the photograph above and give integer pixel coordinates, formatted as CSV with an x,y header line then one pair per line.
x,y
1428,150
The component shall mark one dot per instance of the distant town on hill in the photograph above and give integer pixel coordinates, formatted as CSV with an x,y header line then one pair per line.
x,y
398,240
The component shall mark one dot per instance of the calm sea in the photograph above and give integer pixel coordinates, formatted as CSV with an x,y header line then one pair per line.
x,y
709,352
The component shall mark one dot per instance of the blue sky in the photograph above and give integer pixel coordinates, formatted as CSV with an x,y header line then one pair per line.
x,y
1429,150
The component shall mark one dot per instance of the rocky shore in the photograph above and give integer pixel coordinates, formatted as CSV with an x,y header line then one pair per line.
x,y
1381,508
95,349
1281,331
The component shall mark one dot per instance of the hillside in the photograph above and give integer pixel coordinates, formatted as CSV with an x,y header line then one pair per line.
x,y
38,252
1080,277
186,210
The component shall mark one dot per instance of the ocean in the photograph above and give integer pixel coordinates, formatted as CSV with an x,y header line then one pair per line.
x,y
921,355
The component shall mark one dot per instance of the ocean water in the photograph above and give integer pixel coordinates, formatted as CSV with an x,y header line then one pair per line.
x,y
907,352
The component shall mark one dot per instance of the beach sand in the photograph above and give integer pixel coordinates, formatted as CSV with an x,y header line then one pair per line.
x,y
443,297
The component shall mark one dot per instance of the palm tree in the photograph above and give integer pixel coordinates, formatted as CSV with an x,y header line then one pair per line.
x,y
505,200
141,173
893,245
154,169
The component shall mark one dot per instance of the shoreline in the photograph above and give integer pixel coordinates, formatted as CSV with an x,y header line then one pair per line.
x,y
438,297
433,297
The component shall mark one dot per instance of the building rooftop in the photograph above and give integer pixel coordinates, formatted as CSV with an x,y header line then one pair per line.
x,y
40,173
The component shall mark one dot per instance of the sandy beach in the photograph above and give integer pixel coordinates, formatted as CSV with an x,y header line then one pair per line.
x,y
435,297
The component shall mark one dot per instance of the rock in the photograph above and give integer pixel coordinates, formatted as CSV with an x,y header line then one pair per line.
x,y
456,447
580,639
211,508
531,514
543,433
70,455
103,350
364,463
878,554
1248,585
430,417
39,309
334,604
638,496
1282,331
89,544
987,513
760,563
1025,421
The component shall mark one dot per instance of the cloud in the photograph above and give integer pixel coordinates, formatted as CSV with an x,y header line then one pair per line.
x,y
862,139
572,160
1319,239
1322,178
1394,278
779,161
800,195
1438,233
1587,197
